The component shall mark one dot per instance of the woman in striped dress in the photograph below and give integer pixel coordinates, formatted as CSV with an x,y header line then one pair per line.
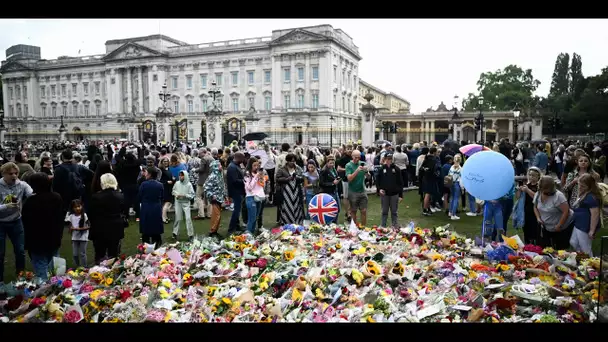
x,y
290,179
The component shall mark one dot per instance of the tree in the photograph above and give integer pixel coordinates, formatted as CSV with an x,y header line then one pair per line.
x,y
578,83
503,89
593,104
559,94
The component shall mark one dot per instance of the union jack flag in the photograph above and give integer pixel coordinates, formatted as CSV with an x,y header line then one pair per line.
x,y
323,209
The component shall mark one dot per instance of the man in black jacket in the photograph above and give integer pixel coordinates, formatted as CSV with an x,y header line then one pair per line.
x,y
390,184
70,180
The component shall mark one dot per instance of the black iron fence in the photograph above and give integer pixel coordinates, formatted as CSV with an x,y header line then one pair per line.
x,y
322,137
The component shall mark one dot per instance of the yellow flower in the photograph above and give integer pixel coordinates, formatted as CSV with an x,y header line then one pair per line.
x,y
96,276
338,246
472,274
264,285
370,319
168,316
166,283
109,281
164,261
187,276
373,268
289,255
226,301
359,251
357,276
504,267
437,256
95,294
211,290
319,294
296,295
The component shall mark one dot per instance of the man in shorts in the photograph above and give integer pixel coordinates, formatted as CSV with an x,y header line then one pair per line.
x,y
357,197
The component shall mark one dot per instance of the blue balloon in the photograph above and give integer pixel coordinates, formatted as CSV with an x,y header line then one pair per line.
x,y
488,175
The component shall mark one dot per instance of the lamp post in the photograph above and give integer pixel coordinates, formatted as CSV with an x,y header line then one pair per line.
x,y
480,117
213,116
455,119
516,113
163,113
331,132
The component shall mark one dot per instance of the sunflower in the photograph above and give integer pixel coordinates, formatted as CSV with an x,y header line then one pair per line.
x,y
96,276
95,294
187,276
372,268
109,281
399,269
289,255
227,301
504,267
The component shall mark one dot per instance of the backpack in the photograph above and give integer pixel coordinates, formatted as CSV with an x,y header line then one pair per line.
x,y
75,183
448,181
519,157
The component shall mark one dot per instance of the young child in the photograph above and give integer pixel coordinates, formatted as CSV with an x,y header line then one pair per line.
x,y
183,193
79,226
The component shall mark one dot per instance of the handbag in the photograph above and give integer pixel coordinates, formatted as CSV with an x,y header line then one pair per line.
x,y
259,198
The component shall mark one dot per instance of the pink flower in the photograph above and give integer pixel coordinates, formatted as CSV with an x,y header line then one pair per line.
x,y
67,283
72,316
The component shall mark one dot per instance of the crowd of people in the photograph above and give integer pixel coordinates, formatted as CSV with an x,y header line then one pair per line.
x,y
98,192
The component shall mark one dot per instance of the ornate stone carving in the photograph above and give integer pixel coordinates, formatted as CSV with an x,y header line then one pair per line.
x,y
131,52
211,130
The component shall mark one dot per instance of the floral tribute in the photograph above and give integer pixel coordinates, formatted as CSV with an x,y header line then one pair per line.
x,y
320,274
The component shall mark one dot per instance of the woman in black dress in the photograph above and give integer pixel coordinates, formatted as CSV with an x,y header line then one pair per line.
x,y
167,180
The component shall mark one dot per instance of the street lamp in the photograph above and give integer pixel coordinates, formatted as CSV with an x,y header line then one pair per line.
x,y
331,132
516,113
455,118
163,113
480,118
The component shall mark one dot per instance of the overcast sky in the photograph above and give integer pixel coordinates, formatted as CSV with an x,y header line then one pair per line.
x,y
425,61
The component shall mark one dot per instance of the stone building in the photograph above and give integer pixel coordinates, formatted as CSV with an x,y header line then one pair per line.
x,y
294,85
385,102
441,123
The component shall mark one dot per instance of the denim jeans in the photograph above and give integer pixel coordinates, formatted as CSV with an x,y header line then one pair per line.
x,y
253,209
507,210
79,253
14,231
455,198
233,226
309,197
493,219
43,263
472,204
260,220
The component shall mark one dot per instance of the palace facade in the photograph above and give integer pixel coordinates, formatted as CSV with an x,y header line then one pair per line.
x,y
296,85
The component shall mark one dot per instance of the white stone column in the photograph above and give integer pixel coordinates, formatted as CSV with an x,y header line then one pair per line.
x,y
6,99
307,78
407,134
368,130
140,97
432,132
277,82
129,108
120,93
511,132
109,91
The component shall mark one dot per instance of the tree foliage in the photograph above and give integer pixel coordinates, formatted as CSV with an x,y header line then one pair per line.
x,y
503,89
578,82
559,99
593,104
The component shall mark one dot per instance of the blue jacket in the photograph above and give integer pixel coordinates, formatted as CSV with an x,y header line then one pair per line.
x,y
541,160
234,180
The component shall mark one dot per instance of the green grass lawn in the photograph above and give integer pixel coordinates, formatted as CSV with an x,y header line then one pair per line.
x,y
409,210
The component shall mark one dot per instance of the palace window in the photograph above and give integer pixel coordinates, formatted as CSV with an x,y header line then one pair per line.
x,y
286,101
267,76
54,111
235,104
25,109
18,91
11,111
267,103
176,106
315,100
96,88
64,110
174,82
74,89
203,81
287,75
18,110
218,79
75,109
98,109
53,93
42,91
251,101
315,73
335,102
235,78
250,77
10,93
189,82
300,101
190,106
86,109
204,105
300,74
63,90
335,73
43,110
85,88
25,92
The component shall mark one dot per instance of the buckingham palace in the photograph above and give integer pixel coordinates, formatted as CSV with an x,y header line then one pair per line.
x,y
298,85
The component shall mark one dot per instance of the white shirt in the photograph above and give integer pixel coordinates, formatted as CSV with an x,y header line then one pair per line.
x,y
79,235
